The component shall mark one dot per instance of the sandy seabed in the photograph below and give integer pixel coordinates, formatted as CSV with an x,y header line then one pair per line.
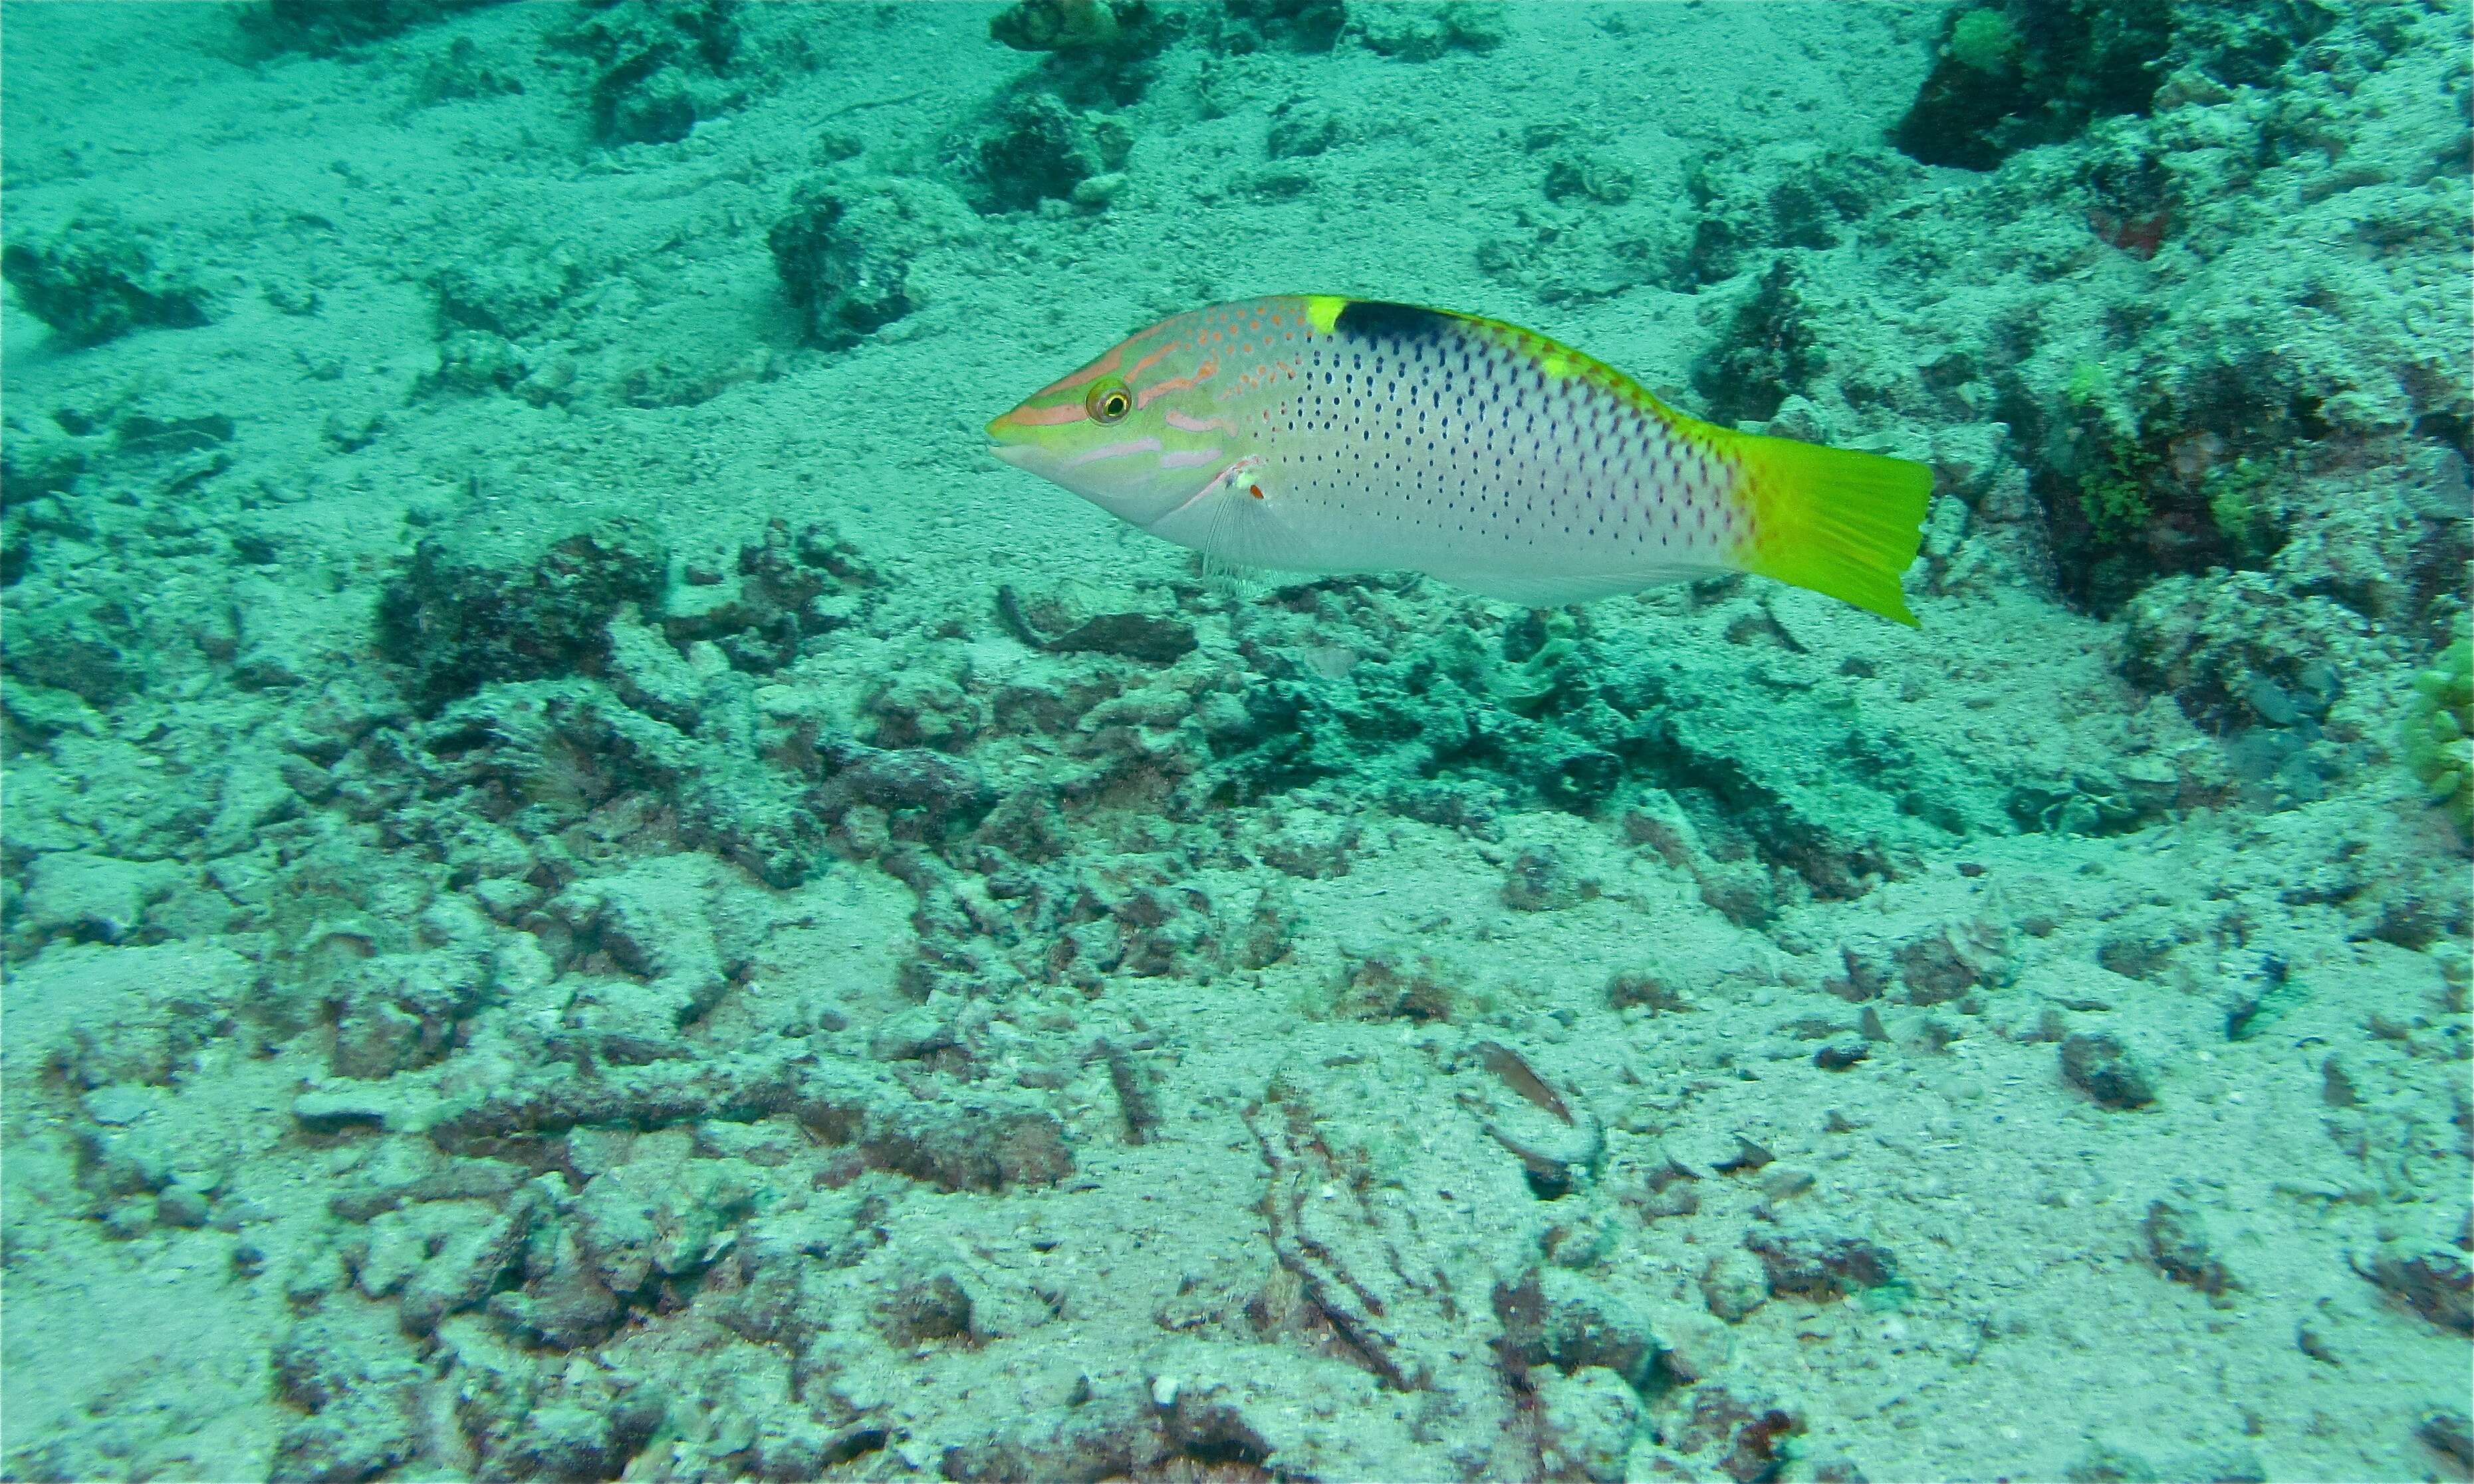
x,y
594,889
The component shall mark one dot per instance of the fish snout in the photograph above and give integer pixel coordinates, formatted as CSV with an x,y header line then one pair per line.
x,y
1009,437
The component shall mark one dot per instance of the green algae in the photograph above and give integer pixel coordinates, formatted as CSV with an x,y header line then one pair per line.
x,y
2439,732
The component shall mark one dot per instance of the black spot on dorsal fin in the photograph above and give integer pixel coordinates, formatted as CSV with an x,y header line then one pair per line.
x,y
1373,319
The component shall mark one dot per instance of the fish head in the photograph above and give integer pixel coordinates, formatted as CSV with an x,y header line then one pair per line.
x,y
1139,432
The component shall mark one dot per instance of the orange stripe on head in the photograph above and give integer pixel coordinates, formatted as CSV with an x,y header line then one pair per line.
x,y
1046,417
1088,374
1201,374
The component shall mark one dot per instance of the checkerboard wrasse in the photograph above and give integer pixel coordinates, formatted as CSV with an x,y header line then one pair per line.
x,y
1324,434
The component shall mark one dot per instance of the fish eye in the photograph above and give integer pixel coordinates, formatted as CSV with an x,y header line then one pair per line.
x,y
1108,402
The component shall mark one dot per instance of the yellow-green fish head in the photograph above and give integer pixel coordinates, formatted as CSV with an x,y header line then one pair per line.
x,y
1141,432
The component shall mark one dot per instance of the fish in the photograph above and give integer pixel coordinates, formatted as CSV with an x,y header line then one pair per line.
x,y
1324,434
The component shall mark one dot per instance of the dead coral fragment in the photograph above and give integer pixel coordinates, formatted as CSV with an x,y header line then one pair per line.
x,y
480,604
96,279
1068,25
2028,72
662,69
844,253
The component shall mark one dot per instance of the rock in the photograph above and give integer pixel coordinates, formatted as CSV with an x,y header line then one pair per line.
x,y
1817,1263
1302,127
125,1015
333,1111
659,1213
320,26
1841,1051
1111,1435
564,1305
409,1169
495,599
85,645
1736,1434
927,1306
659,70
1944,964
475,364
1309,844
1270,1419
129,1218
1101,189
363,1400
1734,1283
1391,980
1587,1421
399,1011
91,897
467,1265
845,252
393,1250
650,674
505,296
1118,31
563,1441
183,1206
1991,77
1308,26
1696,1345
2097,1064
1574,1323
917,787
788,588
974,1148
1041,148
1741,891
1539,881
1768,351
1784,1181
2434,1281
1866,973
2105,1464
1070,616
912,1033
1651,989
570,746
2178,1244
132,1147
1415,33
97,278
2450,1432
655,920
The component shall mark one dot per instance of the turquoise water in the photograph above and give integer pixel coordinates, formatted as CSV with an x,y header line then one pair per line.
x,y
594,888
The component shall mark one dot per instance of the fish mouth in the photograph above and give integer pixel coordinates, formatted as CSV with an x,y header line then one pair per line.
x,y
1009,439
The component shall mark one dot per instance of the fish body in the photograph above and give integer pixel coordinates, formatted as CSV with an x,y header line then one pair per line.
x,y
1323,435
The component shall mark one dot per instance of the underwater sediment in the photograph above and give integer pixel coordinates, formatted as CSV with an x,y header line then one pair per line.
x,y
592,886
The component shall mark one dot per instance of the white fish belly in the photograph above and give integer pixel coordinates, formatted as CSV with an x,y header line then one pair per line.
x,y
1445,454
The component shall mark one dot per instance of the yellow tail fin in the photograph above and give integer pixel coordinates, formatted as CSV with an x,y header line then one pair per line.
x,y
1842,522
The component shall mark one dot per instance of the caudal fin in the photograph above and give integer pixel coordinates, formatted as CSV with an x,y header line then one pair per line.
x,y
1837,521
